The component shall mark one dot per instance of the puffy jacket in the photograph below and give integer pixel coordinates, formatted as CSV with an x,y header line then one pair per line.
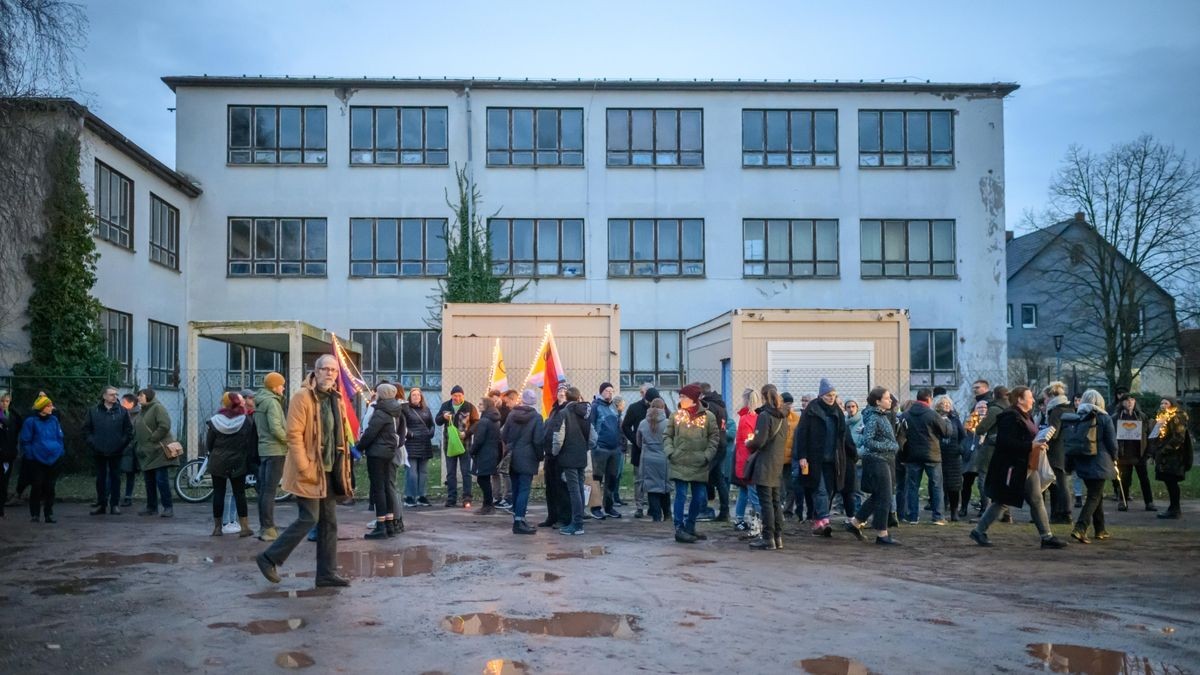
x,y
606,425
268,422
878,435
926,428
108,430
384,430
229,442
570,431
691,444
485,444
153,428
747,418
1101,465
420,428
522,434
42,439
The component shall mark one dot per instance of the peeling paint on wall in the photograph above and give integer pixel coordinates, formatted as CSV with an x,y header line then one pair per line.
x,y
344,94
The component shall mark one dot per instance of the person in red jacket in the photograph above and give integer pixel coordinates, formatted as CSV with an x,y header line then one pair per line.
x,y
747,418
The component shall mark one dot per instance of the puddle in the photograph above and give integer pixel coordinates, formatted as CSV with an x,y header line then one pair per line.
x,y
293,660
560,624
505,667
941,622
306,593
1094,661
407,563
832,665
121,560
589,552
541,576
263,627
70,586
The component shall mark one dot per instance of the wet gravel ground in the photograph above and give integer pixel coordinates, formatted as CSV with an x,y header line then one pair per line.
x,y
458,593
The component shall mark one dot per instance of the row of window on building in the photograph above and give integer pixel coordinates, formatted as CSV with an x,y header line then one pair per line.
x,y
162,351
554,137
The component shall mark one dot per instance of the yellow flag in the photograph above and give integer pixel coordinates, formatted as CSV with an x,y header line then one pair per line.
x,y
498,381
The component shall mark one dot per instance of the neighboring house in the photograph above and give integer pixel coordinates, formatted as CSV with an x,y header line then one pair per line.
x,y
1048,296
1188,370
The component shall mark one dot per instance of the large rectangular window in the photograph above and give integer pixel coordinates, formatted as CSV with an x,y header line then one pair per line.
x,y
789,248
663,247
164,233
933,361
535,137
164,355
908,248
118,340
789,138
542,247
906,138
389,135
272,134
651,356
403,247
655,137
277,247
246,367
411,357
114,206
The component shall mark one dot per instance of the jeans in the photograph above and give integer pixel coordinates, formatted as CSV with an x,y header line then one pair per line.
x,y
1092,512
1037,508
108,480
620,474
1127,471
1060,498
129,481
879,504
746,495
158,485
828,488
699,489
522,484
912,499
239,495
772,513
270,470
1077,483
606,464
321,513
383,485
455,467
42,478
574,480
416,478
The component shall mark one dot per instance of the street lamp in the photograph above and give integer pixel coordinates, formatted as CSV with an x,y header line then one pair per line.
x,y
1058,342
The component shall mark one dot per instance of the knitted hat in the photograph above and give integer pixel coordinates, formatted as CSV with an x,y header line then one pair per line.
x,y
529,397
272,380
41,402
456,389
652,394
691,391
826,388
788,398
605,385
231,399
386,391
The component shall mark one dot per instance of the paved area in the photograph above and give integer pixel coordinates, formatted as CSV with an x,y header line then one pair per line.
x,y
458,593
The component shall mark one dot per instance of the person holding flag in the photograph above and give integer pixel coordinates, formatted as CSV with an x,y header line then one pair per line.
x,y
547,373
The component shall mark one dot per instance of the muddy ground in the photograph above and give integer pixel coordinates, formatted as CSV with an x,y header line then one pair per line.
x,y
458,593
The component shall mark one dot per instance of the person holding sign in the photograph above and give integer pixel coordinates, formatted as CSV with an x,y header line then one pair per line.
x,y
1132,443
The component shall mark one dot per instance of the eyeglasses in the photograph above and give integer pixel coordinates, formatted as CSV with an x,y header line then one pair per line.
x,y
327,370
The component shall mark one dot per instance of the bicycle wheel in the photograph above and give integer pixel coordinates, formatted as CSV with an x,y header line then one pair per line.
x,y
191,485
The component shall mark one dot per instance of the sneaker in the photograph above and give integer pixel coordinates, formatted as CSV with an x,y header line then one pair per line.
x,y
503,504
571,530
1103,536
762,544
410,502
1151,507
485,510
268,534
98,511
888,541
741,526
857,532
267,568
231,528
332,581
684,537
639,514
522,527
312,534
597,513
377,531
1053,542
114,510
450,503
612,513
707,515
168,513
1078,536
911,522
700,536
980,538
940,521
1169,515
423,501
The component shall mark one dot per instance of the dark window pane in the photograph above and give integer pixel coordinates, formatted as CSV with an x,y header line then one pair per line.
x,y
410,351
410,128
827,239
411,244
572,130
643,240
668,239
239,127
693,240
618,129
547,129
919,349
665,129
826,131
918,132
314,128
777,130
497,129
943,240
264,127
239,239
385,351
940,131
893,132
943,349
385,129
522,129
752,130
361,239
290,236
387,239
868,132
361,128
522,239
435,128
498,234
572,240
315,239
618,240
547,240
801,131
435,239
289,127
264,239
643,129
918,240
802,240
691,135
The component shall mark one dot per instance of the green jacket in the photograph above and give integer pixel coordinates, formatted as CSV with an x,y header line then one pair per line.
x,y
691,447
268,419
153,428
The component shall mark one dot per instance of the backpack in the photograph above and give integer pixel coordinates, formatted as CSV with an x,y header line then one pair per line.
x,y
1079,434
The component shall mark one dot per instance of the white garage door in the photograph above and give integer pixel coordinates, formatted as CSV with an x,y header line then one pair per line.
x,y
798,367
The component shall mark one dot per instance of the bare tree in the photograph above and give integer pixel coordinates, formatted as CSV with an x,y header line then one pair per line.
x,y
38,41
1141,200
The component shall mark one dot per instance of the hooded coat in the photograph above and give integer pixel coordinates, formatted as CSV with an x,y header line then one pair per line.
x,y
691,443
230,440
1100,466
384,430
606,425
952,453
485,444
569,430
268,420
522,434
770,439
153,428
420,429
41,439
926,428
651,435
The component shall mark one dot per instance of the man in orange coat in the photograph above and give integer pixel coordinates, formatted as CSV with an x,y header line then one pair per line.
x,y
315,442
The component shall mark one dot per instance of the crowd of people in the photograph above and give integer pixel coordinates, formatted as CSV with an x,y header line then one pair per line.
x,y
825,458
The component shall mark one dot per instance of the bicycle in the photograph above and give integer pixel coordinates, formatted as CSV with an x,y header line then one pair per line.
x,y
194,485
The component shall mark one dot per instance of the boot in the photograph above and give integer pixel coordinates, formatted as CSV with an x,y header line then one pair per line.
x,y
268,534
216,528
522,527
682,536
763,544
98,511
398,525
723,516
390,526
244,521
377,532
778,543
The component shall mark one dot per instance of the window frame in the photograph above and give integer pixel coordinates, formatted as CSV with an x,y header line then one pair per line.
x,y
430,373
654,151
253,374
1009,316
506,267
656,261
929,152
816,261
400,150
161,375
253,149
105,227
789,154
107,315
938,376
254,261
167,255
632,377
534,151
883,261
1034,308
375,261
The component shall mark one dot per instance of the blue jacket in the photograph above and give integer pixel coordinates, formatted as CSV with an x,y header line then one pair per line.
x,y
606,424
1100,466
42,439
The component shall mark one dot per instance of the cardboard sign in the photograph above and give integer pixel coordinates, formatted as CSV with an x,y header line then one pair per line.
x,y
1129,430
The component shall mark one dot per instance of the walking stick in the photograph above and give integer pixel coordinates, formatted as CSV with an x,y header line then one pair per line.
x,y
1121,487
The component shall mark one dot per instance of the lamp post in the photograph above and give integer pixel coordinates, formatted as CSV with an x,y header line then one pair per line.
x,y
1058,342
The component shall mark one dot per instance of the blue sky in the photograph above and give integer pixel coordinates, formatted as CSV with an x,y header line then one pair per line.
x,y
1093,73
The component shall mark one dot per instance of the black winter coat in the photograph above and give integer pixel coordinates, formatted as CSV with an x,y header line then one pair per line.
x,y
522,435
713,403
230,445
952,454
1133,453
634,414
485,444
572,423
1055,453
808,443
384,430
1010,459
108,430
10,430
419,425
925,430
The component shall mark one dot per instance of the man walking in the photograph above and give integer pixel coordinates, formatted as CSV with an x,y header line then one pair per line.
x,y
108,431
272,450
605,444
924,454
315,442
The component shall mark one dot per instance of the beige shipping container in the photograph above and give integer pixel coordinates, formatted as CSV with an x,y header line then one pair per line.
x,y
856,349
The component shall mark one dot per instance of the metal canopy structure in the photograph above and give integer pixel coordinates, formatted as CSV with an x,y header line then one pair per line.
x,y
302,342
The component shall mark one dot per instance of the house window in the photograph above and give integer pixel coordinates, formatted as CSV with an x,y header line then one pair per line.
x,y
908,248
647,247
790,248
164,355
411,357
1008,316
545,247
652,356
655,137
277,247
404,247
1028,316
906,138
118,340
933,361
246,367
164,233
390,135
535,136
271,134
789,138
114,206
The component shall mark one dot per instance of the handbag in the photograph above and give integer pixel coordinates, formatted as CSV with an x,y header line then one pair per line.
x,y
171,450
454,444
1045,473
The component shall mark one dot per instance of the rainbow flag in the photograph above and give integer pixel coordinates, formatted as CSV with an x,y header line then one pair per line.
x,y
348,387
547,372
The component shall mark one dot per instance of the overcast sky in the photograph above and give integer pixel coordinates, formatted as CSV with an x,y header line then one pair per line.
x,y
1093,73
